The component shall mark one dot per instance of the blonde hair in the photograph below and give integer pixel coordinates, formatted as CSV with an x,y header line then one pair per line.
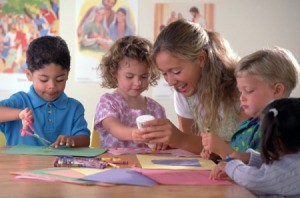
x,y
275,65
216,93
132,47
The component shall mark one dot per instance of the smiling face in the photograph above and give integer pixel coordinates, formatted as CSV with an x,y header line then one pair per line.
x,y
183,75
132,77
255,93
48,82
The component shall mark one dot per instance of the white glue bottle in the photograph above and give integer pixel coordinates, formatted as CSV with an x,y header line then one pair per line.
x,y
139,122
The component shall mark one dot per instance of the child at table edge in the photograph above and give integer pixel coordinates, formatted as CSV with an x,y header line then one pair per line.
x,y
55,117
127,67
276,170
262,77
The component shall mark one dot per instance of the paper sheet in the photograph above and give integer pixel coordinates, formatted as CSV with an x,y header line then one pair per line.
x,y
45,150
174,152
146,163
68,175
121,176
182,177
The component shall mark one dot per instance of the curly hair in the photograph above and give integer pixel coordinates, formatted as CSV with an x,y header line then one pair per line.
x,y
45,50
132,47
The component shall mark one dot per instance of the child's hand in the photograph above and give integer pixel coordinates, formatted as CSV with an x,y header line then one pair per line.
x,y
205,154
137,137
218,172
212,143
27,118
161,146
64,140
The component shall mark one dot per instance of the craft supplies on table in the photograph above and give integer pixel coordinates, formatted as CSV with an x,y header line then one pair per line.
x,y
69,161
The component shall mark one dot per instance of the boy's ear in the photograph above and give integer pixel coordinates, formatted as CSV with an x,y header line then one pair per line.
x,y
279,90
28,74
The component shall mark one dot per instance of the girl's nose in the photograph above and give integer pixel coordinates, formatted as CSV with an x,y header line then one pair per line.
x,y
137,81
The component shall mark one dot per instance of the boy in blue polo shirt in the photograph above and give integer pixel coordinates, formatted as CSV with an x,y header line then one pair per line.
x,y
55,117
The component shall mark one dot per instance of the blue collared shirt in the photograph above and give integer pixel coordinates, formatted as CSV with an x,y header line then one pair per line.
x,y
64,116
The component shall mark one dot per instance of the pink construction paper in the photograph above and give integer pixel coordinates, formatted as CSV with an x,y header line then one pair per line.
x,y
182,177
34,178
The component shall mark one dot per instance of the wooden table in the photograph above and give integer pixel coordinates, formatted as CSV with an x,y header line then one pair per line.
x,y
11,187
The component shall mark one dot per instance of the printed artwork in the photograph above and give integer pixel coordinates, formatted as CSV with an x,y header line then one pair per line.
x,y
21,21
166,13
99,24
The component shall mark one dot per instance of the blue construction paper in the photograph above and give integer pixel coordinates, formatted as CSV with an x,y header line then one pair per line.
x,y
178,162
121,176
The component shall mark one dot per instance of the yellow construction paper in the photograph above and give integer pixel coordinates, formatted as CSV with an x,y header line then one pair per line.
x,y
88,171
146,163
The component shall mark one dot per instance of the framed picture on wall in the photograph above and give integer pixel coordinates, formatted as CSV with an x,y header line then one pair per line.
x,y
99,24
201,13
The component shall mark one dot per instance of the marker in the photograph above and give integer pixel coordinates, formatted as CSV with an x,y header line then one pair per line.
x,y
227,159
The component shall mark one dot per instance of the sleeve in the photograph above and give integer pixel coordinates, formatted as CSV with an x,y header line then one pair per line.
x,y
181,105
80,124
105,108
255,158
256,179
246,176
16,100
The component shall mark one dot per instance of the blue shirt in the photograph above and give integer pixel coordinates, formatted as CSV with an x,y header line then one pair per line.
x,y
64,116
246,136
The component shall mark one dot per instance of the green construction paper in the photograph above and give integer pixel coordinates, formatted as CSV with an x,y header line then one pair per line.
x,y
46,150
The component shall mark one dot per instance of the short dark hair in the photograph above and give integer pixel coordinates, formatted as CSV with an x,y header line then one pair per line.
x,y
46,50
280,128
194,9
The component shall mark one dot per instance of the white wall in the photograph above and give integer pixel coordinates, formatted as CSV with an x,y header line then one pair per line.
x,y
247,24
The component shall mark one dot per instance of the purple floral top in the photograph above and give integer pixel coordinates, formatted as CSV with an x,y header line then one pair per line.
x,y
114,105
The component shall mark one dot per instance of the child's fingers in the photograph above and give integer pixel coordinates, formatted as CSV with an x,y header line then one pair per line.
x,y
70,142
55,144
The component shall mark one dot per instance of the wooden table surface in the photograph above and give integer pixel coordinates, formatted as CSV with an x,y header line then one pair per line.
x,y
11,187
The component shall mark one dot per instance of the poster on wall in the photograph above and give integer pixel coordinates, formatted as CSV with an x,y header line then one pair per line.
x,y
166,13
99,24
21,21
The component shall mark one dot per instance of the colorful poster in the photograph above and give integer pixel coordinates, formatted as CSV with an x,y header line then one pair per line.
x,y
99,24
21,21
